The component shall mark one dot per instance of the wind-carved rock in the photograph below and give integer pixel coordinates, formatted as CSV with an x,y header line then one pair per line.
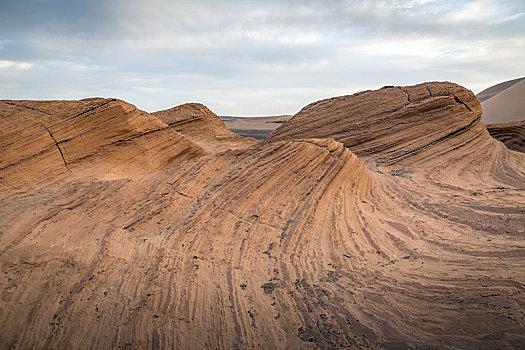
x,y
41,140
392,125
385,219
203,126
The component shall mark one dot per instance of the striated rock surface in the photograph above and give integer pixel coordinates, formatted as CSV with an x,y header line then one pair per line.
x,y
512,134
294,243
404,125
432,129
203,127
41,140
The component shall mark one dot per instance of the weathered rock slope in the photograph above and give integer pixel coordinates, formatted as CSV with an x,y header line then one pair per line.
x,y
203,126
293,243
42,140
403,125
512,134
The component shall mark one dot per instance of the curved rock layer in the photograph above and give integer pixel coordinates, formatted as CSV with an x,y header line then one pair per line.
x,y
393,125
284,244
511,134
203,127
41,140
433,130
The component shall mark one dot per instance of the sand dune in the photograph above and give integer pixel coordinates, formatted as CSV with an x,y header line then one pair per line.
x,y
504,102
385,219
496,89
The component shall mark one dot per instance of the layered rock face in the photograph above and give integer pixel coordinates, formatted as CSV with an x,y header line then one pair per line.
x,y
41,140
203,126
403,235
512,134
393,125
199,249
433,129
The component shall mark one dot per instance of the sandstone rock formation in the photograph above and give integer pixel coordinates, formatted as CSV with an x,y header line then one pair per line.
x,y
42,140
397,236
202,125
391,125
512,134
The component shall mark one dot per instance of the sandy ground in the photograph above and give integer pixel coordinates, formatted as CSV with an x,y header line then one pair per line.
x,y
400,225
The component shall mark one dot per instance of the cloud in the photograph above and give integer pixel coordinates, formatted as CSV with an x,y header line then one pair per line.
x,y
15,65
252,57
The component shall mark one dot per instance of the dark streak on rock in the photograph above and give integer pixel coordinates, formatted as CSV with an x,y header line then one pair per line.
x,y
56,144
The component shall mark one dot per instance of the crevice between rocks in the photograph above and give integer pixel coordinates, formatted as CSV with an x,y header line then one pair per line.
x,y
56,144
461,102
406,92
26,107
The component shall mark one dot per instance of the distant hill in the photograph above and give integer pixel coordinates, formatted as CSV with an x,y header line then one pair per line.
x,y
503,102
256,127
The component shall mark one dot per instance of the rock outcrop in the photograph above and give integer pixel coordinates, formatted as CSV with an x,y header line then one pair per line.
x,y
403,235
41,140
432,129
393,125
203,127
512,134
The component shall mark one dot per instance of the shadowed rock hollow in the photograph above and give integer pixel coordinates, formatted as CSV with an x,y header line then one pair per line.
x,y
512,134
386,219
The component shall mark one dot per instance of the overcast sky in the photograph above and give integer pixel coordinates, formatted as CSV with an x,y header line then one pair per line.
x,y
252,57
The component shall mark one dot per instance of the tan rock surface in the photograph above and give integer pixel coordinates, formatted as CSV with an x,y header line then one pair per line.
x,y
203,126
294,243
42,140
404,125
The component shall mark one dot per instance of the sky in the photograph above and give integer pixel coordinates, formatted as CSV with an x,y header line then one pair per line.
x,y
252,58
